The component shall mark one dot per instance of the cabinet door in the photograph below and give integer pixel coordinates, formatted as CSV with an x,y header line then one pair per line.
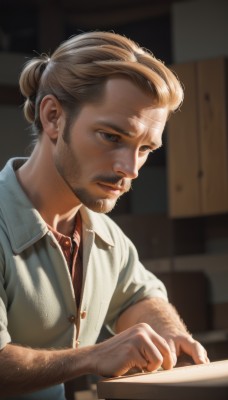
x,y
212,93
183,149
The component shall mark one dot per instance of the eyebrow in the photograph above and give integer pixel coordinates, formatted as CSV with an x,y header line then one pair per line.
x,y
122,131
116,128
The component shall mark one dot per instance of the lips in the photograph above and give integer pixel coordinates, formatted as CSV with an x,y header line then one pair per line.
x,y
120,186
111,187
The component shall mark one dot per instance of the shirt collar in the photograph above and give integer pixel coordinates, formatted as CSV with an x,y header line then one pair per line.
x,y
25,225
97,223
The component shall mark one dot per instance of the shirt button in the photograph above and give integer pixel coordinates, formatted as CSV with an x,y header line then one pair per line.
x,y
83,314
72,319
67,243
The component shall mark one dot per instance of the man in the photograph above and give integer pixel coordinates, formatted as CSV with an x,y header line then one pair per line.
x,y
98,105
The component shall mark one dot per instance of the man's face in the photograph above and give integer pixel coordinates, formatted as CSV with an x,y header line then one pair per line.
x,y
108,143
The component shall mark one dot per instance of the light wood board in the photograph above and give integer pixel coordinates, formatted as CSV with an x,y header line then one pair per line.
x,y
195,382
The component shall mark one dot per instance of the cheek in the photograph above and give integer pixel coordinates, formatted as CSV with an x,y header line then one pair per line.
x,y
89,153
141,162
85,147
91,159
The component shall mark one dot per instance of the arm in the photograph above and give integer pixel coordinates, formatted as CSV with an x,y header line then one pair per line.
x,y
165,320
24,370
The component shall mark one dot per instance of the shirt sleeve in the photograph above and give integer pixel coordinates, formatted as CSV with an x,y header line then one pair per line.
x,y
4,334
135,282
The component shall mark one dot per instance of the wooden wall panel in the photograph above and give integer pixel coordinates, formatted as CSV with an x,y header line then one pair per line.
x,y
213,135
183,149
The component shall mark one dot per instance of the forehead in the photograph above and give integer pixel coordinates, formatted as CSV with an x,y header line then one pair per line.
x,y
122,91
123,99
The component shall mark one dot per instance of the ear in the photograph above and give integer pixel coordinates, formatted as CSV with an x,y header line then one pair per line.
x,y
52,116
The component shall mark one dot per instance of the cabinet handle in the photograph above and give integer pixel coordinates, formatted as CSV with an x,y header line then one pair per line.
x,y
200,174
178,188
207,97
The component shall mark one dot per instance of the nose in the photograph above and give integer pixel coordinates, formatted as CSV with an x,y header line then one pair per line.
x,y
126,166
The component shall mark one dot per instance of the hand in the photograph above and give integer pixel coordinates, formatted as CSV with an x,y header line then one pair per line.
x,y
137,347
187,350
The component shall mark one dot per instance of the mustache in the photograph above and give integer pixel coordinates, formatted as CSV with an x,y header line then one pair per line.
x,y
125,183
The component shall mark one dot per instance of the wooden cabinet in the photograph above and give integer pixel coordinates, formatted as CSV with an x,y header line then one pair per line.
x,y
198,141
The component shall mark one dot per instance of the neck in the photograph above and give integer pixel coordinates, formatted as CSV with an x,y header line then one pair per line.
x,y
50,195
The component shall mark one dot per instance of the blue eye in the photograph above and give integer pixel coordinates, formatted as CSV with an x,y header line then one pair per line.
x,y
146,149
110,137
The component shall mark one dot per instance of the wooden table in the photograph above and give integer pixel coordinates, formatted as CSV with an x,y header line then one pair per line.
x,y
195,382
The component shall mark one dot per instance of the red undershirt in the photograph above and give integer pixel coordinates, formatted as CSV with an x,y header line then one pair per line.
x,y
72,250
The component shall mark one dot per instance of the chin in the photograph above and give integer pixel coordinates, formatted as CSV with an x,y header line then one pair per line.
x,y
101,206
98,205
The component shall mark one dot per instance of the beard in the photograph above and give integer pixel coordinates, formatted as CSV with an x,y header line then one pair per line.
x,y
70,170
97,205
101,205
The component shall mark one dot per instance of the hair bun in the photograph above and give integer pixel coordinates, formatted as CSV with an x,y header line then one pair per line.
x,y
29,83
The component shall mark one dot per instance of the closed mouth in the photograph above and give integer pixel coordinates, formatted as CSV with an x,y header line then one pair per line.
x,y
111,187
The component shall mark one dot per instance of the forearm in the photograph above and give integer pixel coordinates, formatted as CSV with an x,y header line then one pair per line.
x,y
158,313
25,370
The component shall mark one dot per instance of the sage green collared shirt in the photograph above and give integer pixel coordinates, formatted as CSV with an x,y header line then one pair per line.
x,y
37,301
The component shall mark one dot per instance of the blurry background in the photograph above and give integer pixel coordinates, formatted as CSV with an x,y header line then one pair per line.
x,y
177,212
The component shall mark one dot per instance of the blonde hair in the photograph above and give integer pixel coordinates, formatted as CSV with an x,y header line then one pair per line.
x,y
77,70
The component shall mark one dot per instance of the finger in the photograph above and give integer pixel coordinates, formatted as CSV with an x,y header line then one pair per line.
x,y
153,358
173,351
164,349
199,354
196,351
192,348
